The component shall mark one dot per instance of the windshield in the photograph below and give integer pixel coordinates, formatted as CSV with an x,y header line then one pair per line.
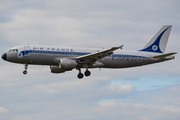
x,y
13,50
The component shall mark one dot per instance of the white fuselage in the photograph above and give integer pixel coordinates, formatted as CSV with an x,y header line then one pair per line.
x,y
46,55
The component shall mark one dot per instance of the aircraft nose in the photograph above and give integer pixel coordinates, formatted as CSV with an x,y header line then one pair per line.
x,y
4,56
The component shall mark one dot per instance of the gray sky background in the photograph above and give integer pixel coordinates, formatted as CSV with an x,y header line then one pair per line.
x,y
143,93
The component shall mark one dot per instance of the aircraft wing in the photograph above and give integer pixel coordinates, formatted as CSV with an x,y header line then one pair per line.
x,y
163,55
93,57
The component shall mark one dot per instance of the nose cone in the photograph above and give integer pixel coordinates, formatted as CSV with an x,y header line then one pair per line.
x,y
4,56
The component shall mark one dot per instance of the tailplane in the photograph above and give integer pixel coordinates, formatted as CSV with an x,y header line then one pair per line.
x,y
158,43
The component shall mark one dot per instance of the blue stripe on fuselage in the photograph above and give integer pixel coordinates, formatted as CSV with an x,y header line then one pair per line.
x,y
25,52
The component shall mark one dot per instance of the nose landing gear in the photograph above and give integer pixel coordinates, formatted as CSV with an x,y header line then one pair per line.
x,y
25,71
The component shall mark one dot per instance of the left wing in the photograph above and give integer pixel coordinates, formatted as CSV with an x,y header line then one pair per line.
x,y
93,57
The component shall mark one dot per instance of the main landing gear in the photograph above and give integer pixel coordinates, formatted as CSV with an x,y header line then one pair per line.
x,y
25,71
86,73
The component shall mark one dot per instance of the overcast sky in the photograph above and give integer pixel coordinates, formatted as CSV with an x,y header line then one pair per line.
x,y
143,93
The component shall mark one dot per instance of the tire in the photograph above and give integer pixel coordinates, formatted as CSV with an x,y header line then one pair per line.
x,y
25,72
80,75
87,73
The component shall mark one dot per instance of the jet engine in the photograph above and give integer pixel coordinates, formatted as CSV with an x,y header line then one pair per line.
x,y
67,64
64,65
56,69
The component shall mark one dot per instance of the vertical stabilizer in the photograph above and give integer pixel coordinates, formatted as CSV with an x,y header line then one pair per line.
x,y
159,41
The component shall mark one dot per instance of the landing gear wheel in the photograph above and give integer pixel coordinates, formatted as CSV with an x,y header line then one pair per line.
x,y
87,73
25,72
80,75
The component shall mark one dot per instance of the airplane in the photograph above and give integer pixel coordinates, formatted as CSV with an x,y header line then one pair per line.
x,y
62,59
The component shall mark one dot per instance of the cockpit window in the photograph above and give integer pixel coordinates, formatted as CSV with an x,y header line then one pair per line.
x,y
10,50
13,50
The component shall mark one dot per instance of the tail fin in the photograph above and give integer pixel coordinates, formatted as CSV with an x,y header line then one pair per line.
x,y
159,41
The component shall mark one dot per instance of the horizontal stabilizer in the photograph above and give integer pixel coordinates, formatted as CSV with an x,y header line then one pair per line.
x,y
164,55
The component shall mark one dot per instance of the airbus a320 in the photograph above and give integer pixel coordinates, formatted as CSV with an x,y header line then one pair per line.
x,y
62,59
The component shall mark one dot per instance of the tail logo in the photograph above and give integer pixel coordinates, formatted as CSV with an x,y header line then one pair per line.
x,y
154,47
159,40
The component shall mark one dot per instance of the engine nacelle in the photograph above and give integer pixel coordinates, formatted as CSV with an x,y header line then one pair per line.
x,y
56,69
67,64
